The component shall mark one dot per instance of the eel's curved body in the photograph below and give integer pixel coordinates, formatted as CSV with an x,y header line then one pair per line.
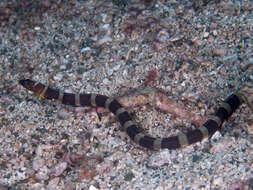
x,y
208,128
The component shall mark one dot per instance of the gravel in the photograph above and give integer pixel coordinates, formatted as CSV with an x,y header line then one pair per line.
x,y
197,52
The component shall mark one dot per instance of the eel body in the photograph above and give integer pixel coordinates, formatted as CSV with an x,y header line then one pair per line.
x,y
207,129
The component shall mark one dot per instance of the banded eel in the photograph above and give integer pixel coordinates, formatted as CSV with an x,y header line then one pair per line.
x,y
135,133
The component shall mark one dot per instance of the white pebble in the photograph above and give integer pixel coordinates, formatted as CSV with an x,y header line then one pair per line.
x,y
37,28
58,76
92,188
42,174
106,81
215,33
85,49
63,67
206,34
116,67
251,76
103,40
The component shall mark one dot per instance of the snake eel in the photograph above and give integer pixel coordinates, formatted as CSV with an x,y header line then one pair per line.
x,y
207,129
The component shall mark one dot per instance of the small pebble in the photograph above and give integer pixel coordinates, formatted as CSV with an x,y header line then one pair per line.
x,y
58,76
37,28
206,34
59,169
53,183
92,188
63,114
106,81
38,163
215,33
43,174
219,52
